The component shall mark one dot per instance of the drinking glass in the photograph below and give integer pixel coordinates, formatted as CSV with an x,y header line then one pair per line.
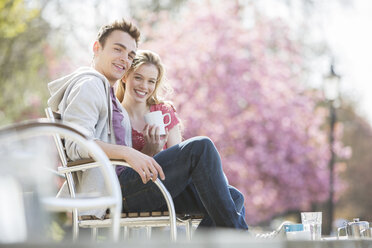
x,y
312,222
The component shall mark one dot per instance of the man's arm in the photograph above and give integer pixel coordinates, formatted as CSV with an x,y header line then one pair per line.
x,y
84,104
144,165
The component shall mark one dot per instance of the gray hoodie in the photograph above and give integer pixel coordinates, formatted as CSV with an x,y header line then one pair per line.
x,y
83,98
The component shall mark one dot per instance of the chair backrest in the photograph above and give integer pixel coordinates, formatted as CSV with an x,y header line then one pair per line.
x,y
52,116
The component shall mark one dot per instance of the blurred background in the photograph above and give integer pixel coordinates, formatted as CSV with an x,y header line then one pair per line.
x,y
281,86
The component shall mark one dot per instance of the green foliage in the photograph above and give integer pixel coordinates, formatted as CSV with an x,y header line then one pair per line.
x,y
56,232
22,63
14,16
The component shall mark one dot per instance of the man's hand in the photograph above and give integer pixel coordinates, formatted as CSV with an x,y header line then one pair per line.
x,y
144,165
154,142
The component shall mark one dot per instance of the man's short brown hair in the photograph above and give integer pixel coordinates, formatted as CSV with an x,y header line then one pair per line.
x,y
123,25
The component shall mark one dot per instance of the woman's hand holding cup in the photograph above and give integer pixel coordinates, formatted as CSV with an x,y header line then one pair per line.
x,y
154,141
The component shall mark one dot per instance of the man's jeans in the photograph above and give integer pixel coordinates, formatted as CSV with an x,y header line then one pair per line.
x,y
196,182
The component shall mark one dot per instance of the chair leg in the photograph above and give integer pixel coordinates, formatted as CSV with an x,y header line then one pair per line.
x,y
148,232
126,232
135,233
115,228
189,229
75,225
172,211
94,233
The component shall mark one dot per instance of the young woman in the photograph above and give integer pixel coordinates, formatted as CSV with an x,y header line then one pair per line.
x,y
138,91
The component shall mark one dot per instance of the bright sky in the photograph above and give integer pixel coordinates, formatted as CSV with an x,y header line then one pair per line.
x,y
345,26
351,39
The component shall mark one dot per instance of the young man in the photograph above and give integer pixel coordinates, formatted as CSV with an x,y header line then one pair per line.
x,y
191,171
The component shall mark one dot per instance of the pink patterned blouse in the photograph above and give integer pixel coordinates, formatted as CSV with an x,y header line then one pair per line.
x,y
138,141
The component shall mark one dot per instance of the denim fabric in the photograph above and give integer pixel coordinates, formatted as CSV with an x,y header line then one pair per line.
x,y
196,182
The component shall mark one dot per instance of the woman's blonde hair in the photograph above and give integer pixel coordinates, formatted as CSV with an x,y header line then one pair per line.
x,y
145,57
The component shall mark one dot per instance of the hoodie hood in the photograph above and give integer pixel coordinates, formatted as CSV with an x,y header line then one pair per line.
x,y
58,87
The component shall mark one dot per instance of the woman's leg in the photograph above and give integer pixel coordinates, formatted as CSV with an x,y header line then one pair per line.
x,y
193,161
188,202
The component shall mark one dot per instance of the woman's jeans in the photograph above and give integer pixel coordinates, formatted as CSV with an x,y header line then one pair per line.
x,y
196,182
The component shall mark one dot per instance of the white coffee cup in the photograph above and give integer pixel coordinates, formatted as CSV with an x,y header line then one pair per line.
x,y
157,118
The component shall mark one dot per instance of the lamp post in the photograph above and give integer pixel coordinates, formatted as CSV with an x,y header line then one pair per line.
x,y
331,93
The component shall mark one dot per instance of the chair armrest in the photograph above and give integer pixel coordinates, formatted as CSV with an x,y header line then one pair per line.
x,y
63,204
87,163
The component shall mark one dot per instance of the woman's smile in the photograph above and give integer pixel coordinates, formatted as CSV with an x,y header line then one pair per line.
x,y
140,93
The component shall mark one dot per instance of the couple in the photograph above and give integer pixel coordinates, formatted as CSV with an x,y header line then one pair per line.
x,y
191,170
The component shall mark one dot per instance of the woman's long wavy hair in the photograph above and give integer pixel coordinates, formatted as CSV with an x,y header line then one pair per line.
x,y
150,58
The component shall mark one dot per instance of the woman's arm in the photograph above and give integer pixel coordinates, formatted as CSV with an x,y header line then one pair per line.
x,y
175,136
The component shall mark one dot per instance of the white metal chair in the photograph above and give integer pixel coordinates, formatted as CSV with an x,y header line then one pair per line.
x,y
36,128
127,220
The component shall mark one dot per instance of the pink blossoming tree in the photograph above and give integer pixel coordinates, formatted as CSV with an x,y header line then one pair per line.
x,y
241,86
